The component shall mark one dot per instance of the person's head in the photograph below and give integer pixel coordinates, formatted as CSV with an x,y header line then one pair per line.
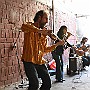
x,y
62,30
41,18
84,40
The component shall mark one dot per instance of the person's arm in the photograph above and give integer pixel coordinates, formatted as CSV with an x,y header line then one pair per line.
x,y
51,48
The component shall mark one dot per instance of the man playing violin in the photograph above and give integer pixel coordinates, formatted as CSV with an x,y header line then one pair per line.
x,y
35,46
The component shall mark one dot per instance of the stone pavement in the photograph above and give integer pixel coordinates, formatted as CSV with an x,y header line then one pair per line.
x,y
79,81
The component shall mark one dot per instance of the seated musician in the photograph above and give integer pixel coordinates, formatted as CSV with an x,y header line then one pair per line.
x,y
84,47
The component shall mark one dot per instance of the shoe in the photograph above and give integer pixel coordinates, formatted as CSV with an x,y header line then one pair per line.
x,y
83,69
63,80
57,81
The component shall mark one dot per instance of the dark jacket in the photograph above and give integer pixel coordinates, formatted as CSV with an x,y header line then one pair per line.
x,y
60,49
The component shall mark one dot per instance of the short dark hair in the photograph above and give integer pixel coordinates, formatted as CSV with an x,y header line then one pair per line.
x,y
84,39
39,13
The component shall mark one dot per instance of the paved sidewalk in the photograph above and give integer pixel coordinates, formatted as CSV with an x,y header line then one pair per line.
x,y
76,82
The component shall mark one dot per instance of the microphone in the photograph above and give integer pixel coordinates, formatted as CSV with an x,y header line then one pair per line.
x,y
70,33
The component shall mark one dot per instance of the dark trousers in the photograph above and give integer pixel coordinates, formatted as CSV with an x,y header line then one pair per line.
x,y
59,66
33,71
61,63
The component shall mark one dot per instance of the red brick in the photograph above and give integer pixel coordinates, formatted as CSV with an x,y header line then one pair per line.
x,y
12,27
15,39
0,33
0,57
22,35
14,52
2,40
15,62
3,71
3,78
14,58
14,80
14,34
10,62
7,33
2,52
20,40
1,83
9,70
10,34
19,78
10,76
10,53
0,14
5,20
7,45
0,72
7,82
16,75
6,52
17,33
8,26
1,26
13,69
3,35
1,45
4,62
16,68
21,50
6,71
9,40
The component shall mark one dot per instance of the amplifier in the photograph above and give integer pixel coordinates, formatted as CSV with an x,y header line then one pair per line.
x,y
75,64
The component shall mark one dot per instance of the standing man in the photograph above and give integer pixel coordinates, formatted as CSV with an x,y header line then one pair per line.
x,y
58,52
35,46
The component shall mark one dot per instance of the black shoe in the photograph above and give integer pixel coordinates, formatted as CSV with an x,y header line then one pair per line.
x,y
57,81
83,69
63,79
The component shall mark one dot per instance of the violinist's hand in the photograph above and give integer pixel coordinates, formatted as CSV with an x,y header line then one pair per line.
x,y
74,47
61,42
49,32
69,33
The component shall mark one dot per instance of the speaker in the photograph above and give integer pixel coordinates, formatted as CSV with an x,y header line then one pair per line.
x,y
73,64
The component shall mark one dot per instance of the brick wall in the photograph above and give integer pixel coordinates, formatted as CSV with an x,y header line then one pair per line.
x,y
12,14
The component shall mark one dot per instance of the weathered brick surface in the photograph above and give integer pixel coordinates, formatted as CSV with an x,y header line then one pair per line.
x,y
13,13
